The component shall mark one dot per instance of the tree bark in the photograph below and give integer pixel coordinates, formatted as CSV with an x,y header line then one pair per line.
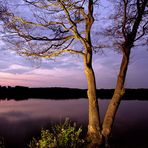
x,y
118,93
94,135
119,90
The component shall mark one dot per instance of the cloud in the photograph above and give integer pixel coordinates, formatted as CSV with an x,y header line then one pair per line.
x,y
138,71
16,69
68,71
63,71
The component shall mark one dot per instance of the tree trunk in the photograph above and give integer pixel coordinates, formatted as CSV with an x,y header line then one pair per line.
x,y
94,131
118,93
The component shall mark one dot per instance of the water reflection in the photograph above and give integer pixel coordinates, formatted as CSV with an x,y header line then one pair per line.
x,y
20,120
34,108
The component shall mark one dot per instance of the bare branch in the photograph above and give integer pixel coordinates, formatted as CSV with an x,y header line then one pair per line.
x,y
124,18
144,30
52,54
73,24
30,37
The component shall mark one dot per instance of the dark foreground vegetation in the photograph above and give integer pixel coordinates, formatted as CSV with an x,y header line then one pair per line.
x,y
64,135
20,93
69,134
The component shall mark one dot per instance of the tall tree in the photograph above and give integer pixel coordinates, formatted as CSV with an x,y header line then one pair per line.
x,y
131,24
50,28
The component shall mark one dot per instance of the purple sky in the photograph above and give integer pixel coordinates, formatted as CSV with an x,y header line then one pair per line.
x,y
67,71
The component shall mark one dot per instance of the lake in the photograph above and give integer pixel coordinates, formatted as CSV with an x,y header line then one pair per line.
x,y
21,120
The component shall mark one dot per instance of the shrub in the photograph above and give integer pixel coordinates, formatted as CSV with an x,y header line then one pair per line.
x,y
66,135
2,142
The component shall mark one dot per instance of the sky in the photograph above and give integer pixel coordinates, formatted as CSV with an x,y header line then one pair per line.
x,y
68,71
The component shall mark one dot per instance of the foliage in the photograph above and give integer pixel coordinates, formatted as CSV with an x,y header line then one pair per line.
x,y
2,142
66,135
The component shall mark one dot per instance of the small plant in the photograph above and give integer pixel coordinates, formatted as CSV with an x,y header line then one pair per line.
x,y
2,142
65,135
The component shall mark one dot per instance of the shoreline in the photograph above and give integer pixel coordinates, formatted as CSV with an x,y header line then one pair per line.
x,y
21,93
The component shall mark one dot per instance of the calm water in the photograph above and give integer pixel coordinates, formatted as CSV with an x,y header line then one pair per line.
x,y
20,120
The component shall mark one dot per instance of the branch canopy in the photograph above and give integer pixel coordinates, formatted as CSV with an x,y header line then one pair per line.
x,y
48,28
129,22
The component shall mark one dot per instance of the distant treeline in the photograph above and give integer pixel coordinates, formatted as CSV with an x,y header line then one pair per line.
x,y
20,93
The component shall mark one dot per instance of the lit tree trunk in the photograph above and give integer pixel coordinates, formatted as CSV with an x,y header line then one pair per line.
x,y
130,38
118,93
94,130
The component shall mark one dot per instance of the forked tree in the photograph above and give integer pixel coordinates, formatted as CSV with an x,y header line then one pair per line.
x,y
130,26
53,27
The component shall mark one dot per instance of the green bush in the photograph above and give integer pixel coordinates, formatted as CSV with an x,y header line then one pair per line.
x,y
65,135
